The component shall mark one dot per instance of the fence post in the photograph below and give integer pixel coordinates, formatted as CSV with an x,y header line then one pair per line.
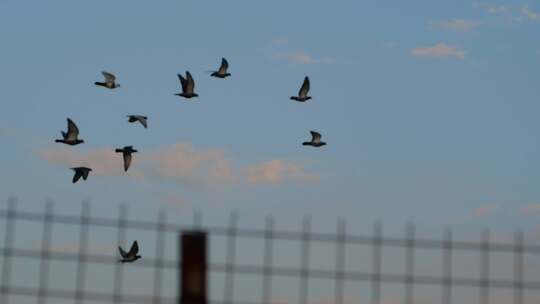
x,y
193,267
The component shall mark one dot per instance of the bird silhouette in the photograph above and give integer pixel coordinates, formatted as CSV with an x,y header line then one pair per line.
x,y
139,118
70,138
126,152
110,81
315,140
188,85
222,72
80,172
302,94
132,255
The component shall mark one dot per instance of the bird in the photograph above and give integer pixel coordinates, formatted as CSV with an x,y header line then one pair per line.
x,y
222,72
70,138
315,140
126,152
132,255
139,118
302,94
188,84
110,81
80,172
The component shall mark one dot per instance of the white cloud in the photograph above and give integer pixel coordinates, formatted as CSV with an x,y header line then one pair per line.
x,y
532,208
486,210
301,57
531,15
496,10
440,50
283,51
183,163
456,24
491,9
277,171
102,161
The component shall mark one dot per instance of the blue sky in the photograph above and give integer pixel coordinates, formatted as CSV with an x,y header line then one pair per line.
x,y
428,107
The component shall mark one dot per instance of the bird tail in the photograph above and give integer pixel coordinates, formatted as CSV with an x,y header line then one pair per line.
x,y
306,143
119,150
100,84
58,140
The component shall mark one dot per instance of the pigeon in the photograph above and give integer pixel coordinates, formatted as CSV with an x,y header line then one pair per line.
x,y
315,140
126,152
70,138
132,255
139,118
302,94
80,172
110,81
222,72
188,84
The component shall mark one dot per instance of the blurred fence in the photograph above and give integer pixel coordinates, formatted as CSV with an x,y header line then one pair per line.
x,y
443,284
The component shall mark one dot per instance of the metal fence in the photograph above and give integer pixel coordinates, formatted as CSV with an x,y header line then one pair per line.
x,y
299,268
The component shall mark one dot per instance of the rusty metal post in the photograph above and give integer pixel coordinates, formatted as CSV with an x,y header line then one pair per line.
x,y
193,268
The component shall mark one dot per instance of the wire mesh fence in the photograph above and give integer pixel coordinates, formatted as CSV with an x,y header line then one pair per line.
x,y
257,266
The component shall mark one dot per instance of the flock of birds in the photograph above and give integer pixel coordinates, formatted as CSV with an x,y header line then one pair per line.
x,y
71,137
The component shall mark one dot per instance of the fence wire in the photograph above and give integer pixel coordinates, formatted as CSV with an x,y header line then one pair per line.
x,y
231,264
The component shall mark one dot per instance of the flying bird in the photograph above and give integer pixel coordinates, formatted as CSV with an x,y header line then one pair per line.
x,y
302,94
110,81
188,85
139,118
126,152
80,172
132,255
315,140
70,138
222,72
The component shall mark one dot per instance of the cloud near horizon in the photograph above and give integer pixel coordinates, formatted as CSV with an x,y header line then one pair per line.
x,y
103,161
440,50
183,162
531,15
531,208
301,57
456,24
296,56
277,171
485,210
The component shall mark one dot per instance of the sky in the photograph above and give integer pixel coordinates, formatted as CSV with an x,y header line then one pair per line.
x,y
429,109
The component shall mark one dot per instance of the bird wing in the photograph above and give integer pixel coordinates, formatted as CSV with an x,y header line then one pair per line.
x,y
142,120
190,83
77,176
304,89
72,131
108,76
183,82
127,160
122,252
134,249
315,137
85,172
224,66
